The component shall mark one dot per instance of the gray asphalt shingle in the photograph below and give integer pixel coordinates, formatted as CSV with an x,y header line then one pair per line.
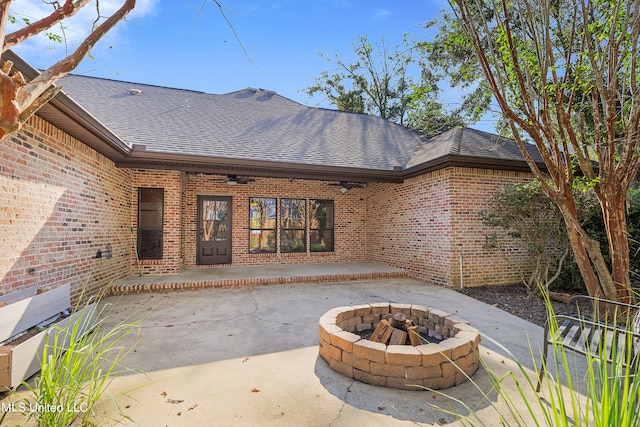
x,y
253,124
246,124
467,142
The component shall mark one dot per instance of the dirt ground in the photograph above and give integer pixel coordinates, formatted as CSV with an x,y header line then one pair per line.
x,y
514,299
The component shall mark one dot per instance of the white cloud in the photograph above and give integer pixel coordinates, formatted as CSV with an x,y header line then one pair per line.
x,y
381,14
73,30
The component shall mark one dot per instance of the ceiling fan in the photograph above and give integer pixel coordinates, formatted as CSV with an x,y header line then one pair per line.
x,y
347,185
234,180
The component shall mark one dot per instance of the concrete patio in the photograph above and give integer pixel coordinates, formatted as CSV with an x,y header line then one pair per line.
x,y
248,356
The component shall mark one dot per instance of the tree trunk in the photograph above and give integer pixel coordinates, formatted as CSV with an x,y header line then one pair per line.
x,y
587,253
615,222
521,49
9,112
584,265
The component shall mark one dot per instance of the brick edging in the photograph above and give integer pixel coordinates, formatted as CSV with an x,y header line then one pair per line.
x,y
135,288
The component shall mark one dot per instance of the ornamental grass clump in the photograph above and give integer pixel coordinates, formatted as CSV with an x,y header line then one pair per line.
x,y
78,363
607,394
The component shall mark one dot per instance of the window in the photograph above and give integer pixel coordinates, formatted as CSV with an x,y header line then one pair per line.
x,y
293,235
150,219
262,224
321,225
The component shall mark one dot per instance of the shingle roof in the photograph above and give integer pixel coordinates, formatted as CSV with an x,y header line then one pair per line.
x,y
470,143
247,124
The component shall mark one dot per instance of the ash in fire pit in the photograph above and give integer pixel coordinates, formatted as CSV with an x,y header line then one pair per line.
x,y
395,348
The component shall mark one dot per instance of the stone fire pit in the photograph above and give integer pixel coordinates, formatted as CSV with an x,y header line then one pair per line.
x,y
430,365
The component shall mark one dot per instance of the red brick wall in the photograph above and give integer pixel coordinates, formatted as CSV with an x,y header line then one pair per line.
x,y
349,212
428,222
409,226
61,202
483,263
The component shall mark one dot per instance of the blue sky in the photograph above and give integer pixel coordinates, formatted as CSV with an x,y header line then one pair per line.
x,y
185,45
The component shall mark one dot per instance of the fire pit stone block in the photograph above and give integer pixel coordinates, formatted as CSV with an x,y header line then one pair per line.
x,y
341,367
433,354
374,351
451,321
361,310
386,370
380,308
327,351
327,331
424,372
419,311
401,308
438,316
404,355
439,383
459,348
368,378
344,340
471,336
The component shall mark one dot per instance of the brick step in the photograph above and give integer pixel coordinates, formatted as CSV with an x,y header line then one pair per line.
x,y
181,285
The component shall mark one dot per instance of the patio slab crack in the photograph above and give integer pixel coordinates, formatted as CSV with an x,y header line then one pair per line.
x,y
344,403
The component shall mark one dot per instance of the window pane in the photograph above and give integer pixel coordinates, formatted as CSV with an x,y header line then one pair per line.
x,y
321,240
292,241
150,244
214,220
262,224
150,218
321,214
321,227
262,213
292,213
262,241
292,225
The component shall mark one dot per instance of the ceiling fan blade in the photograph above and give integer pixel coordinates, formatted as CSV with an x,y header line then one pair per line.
x,y
347,184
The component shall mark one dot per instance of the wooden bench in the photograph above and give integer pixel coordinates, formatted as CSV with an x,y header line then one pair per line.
x,y
588,335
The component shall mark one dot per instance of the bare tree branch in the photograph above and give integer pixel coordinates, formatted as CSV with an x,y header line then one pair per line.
x,y
19,100
67,10
5,7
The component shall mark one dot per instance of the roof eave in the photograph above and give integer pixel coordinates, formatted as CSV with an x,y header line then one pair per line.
x,y
142,159
64,113
455,160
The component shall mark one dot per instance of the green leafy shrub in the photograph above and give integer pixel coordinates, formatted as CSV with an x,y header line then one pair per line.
x,y
529,216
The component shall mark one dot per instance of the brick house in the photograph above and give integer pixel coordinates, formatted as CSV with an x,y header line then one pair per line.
x,y
114,176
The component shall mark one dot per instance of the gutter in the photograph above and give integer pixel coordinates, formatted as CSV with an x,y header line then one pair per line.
x,y
456,160
141,158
